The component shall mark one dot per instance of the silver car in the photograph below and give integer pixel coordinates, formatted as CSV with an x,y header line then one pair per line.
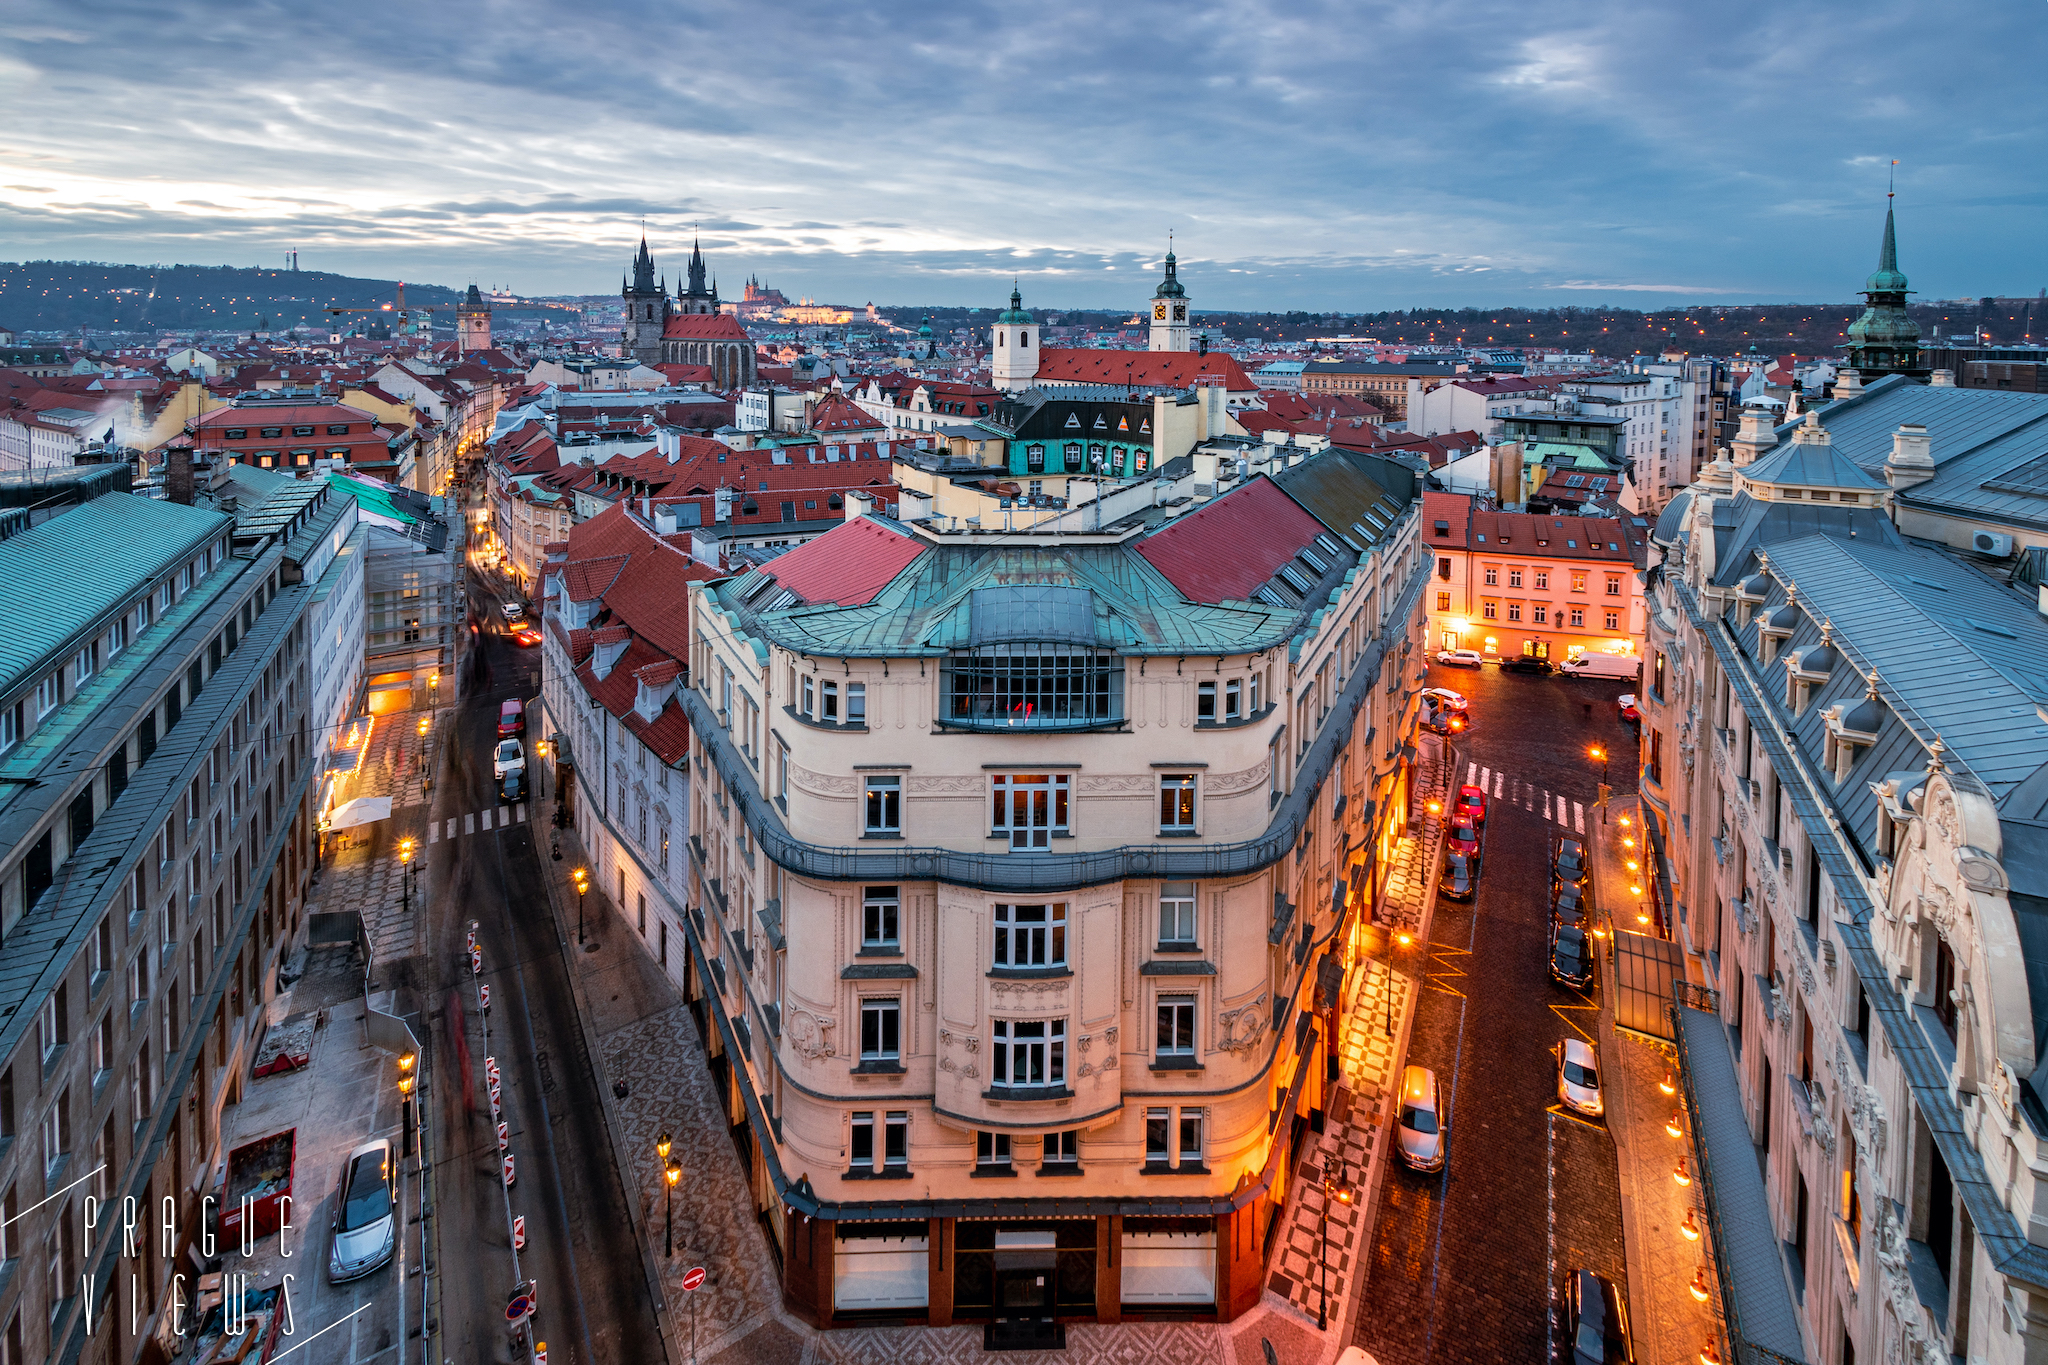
x,y
509,756
1421,1129
365,1231
1578,1078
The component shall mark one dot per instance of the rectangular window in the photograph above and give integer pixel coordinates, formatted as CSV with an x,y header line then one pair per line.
x,y
1177,801
1176,1027
856,703
860,1144
1514,578
1191,1125
810,689
1614,620
1205,701
1177,915
1063,1148
1490,609
1031,935
1578,582
880,1021
1514,611
1443,601
1541,614
1613,585
830,709
896,1139
884,805
1542,578
1028,808
992,1150
879,908
1029,1052
1578,616
1492,578
1233,697
1252,695
48,693
1158,1133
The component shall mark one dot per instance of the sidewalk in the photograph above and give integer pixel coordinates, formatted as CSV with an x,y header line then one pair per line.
x,y
364,875
654,1078
1670,1324
1353,1144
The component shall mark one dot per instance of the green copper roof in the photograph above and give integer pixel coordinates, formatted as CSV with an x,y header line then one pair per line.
x,y
1887,279
1170,287
1015,313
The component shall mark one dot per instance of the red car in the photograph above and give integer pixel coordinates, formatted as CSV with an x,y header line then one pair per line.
x,y
1625,706
1463,837
526,636
1470,805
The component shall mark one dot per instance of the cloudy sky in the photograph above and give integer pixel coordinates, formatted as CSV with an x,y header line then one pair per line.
x,y
1348,156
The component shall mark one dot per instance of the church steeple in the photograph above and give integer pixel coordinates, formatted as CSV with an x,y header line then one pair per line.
x,y
1170,308
643,269
1885,340
696,267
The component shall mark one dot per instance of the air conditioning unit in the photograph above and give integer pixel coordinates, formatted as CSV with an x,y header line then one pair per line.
x,y
1995,543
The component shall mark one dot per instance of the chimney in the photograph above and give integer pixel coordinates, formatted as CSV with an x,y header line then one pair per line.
x,y
1912,457
1757,436
1942,379
178,475
1848,384
858,505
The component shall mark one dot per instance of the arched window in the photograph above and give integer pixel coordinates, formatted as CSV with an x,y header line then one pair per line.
x,y
1024,338
999,338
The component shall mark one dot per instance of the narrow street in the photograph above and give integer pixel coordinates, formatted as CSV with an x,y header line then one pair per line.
x,y
590,1287
1464,1264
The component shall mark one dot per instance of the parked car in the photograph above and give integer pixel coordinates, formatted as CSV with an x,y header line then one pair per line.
x,y
1568,905
365,1234
1525,663
510,755
1595,1322
512,718
1460,658
1445,699
1568,865
1603,666
512,786
1471,802
1420,1134
1460,877
1461,839
513,610
1571,957
1578,1077
1626,708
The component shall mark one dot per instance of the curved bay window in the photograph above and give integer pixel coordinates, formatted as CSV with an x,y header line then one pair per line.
x,y
1041,686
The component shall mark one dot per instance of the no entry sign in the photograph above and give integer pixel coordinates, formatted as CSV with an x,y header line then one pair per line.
x,y
693,1278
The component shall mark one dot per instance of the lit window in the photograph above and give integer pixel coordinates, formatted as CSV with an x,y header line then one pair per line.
x,y
1028,808
1177,801
884,805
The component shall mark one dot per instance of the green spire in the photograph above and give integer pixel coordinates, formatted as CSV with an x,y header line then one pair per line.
x,y
1887,279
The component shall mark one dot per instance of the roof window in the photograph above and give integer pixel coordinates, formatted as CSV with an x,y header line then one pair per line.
x,y
1443,528
1308,557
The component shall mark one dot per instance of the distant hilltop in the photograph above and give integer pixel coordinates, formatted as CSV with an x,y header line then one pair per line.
x,y
65,296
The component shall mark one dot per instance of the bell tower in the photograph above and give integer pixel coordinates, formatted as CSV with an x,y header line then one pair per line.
x,y
1170,310
1013,354
472,323
647,309
1885,340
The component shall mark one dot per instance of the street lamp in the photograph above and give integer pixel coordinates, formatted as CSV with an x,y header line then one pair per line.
x,y
1599,753
582,877
405,847
1404,939
671,1171
1341,1190
406,1081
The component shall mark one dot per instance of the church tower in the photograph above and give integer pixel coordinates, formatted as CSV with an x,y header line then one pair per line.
x,y
647,309
1885,340
698,298
1170,311
1013,359
472,323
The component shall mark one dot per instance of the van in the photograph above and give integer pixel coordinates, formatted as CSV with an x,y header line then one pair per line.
x,y
1420,1134
1603,666
512,718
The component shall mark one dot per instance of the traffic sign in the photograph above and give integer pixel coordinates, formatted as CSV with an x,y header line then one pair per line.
x,y
519,1232
519,1308
693,1278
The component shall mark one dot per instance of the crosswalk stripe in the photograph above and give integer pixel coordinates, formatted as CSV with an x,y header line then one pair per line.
x,y
469,824
451,827
434,833
1546,808
1471,774
1578,817
1499,779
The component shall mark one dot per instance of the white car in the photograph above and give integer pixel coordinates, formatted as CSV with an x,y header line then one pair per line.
x,y
1445,698
365,1234
1578,1078
510,756
1421,1131
1461,658
513,611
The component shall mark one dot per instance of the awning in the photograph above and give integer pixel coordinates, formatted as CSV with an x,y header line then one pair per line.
x,y
364,810
1756,1294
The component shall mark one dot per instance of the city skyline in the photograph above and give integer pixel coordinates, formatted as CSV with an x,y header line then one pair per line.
x,y
1543,161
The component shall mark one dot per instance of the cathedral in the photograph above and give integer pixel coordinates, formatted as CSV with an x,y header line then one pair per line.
x,y
687,328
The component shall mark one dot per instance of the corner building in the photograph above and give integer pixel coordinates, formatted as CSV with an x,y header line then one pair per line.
x,y
1029,875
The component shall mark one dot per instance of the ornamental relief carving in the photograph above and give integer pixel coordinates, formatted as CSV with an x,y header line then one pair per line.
x,y
1867,1121
1009,994
1230,784
1239,1030
1115,784
1981,871
809,1033
821,784
947,786
970,1043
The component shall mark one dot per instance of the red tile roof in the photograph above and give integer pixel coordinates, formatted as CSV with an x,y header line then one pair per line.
x,y
687,374
1142,369
1222,552
848,564
651,590
705,327
1452,508
836,415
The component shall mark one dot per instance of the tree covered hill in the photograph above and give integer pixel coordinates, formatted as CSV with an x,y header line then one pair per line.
x,y
65,296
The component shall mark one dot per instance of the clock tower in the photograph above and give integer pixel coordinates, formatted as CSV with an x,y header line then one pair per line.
x,y
1170,311
1013,359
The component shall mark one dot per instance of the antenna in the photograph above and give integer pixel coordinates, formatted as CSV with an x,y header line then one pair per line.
x,y
1891,183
